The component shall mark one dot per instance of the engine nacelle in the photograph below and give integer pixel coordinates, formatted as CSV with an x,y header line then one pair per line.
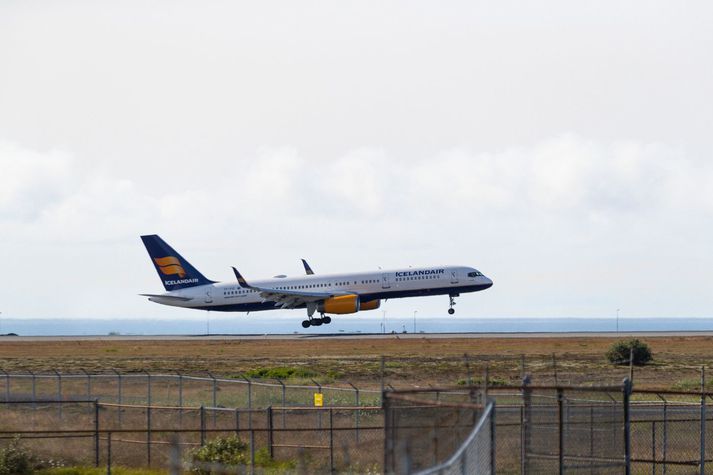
x,y
370,305
346,304
340,305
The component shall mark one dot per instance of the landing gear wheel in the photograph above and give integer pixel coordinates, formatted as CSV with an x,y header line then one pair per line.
x,y
327,320
316,322
306,323
451,310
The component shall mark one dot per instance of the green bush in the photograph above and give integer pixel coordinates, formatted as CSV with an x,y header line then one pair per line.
x,y
619,352
280,372
221,450
232,452
15,460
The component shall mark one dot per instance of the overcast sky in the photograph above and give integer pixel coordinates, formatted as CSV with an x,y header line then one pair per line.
x,y
562,148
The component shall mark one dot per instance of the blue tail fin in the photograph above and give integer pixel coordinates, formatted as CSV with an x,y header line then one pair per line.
x,y
175,272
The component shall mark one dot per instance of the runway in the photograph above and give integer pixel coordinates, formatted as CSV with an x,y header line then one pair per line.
x,y
359,336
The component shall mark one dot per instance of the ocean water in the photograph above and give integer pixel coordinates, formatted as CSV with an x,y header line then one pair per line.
x,y
252,325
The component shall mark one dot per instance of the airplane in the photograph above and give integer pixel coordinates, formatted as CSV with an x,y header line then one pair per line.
x,y
336,294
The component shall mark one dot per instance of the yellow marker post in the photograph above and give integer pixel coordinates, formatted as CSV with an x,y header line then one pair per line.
x,y
318,399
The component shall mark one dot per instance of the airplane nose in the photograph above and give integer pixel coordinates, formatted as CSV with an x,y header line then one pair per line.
x,y
488,282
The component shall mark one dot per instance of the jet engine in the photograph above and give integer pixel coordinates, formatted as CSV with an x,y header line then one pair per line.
x,y
346,304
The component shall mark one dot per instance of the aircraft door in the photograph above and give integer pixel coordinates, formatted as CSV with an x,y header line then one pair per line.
x,y
209,295
385,281
454,276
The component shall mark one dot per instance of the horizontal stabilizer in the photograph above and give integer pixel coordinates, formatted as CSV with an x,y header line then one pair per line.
x,y
168,297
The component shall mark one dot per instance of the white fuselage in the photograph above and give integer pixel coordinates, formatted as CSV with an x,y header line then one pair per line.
x,y
386,284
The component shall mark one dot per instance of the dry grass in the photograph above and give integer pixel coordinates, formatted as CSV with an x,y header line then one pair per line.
x,y
417,361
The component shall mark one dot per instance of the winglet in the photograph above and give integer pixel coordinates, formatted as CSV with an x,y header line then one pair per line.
x,y
241,280
308,269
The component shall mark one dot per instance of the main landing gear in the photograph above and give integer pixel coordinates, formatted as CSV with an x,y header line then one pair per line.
x,y
315,322
451,310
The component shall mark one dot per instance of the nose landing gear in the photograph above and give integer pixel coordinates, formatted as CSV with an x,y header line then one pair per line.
x,y
315,322
451,310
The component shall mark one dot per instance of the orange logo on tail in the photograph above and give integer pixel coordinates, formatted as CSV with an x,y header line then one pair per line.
x,y
170,266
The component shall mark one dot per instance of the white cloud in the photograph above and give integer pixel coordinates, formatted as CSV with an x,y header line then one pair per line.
x,y
591,218
566,153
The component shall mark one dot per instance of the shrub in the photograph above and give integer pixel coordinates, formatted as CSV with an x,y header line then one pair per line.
x,y
221,450
232,452
280,372
619,352
15,460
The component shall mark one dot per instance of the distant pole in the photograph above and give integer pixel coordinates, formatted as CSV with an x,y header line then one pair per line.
x,y
414,320
207,322
383,321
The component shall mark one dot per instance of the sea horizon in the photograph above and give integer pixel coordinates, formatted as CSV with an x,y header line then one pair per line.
x,y
284,325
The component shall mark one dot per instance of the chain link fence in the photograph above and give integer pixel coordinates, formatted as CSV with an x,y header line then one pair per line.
x,y
142,419
320,439
178,390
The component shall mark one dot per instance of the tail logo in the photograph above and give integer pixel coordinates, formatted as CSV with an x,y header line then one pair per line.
x,y
170,266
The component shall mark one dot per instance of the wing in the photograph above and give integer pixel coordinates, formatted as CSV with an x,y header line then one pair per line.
x,y
287,298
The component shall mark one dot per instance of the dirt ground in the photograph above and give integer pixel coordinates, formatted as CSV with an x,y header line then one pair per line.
x,y
408,361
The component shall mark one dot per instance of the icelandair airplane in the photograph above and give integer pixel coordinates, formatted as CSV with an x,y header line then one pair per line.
x,y
337,294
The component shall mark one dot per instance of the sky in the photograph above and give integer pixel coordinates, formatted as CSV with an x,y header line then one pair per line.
x,y
562,148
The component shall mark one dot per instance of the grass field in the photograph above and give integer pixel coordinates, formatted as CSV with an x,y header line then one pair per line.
x,y
409,361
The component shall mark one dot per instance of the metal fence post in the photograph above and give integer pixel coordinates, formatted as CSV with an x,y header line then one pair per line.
x,y
560,430
284,400
319,413
89,383
469,379
148,387
627,426
34,387
250,423
269,431
59,394
174,457
252,444
653,447
237,422
357,411
96,432
383,369
215,397
525,425
202,422
7,384
492,438
331,440
591,433
631,365
180,388
180,399
148,434
703,422
119,395
665,432
108,453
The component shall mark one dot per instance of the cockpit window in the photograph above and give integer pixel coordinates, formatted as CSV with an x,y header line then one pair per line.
x,y
475,274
